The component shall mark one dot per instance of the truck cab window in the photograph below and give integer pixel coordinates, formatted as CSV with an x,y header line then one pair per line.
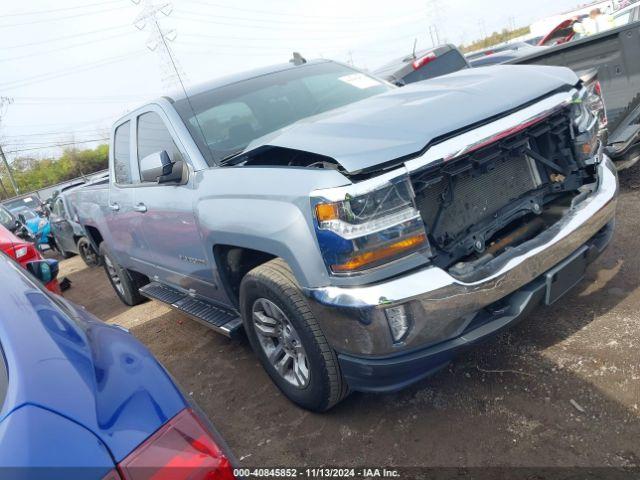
x,y
153,137
122,155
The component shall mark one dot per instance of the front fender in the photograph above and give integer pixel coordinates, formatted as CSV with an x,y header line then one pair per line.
x,y
275,227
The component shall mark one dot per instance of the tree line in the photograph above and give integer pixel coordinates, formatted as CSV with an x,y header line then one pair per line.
x,y
494,39
33,173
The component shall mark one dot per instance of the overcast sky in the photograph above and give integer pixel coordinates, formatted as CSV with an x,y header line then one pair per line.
x,y
72,66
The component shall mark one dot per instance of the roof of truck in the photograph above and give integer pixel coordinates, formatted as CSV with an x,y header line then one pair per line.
x,y
238,77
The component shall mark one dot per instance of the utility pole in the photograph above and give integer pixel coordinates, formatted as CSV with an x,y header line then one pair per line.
x,y
6,164
171,71
4,103
6,194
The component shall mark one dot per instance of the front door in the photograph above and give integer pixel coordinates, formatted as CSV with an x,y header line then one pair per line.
x,y
168,221
124,222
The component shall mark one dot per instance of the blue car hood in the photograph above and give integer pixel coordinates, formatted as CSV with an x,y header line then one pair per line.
x,y
63,360
404,121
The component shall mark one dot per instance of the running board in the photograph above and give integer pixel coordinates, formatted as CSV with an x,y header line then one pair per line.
x,y
222,320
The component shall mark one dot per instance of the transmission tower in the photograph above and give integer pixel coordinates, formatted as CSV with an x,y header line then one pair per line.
x,y
159,41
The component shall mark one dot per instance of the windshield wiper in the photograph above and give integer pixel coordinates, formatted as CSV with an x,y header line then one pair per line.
x,y
226,160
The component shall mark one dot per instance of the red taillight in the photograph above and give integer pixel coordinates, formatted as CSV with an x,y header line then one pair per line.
x,y
24,252
181,449
422,61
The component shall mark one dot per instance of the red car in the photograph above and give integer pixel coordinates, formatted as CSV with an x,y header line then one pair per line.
x,y
562,33
24,252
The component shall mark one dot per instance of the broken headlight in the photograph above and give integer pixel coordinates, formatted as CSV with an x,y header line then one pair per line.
x,y
368,229
587,112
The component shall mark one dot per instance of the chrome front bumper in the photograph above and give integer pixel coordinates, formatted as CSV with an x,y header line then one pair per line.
x,y
441,306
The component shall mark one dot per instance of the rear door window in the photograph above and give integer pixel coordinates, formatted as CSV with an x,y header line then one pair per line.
x,y
122,154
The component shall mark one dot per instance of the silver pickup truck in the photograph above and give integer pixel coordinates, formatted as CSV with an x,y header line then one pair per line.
x,y
360,234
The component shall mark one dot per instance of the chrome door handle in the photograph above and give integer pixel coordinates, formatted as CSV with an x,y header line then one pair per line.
x,y
141,207
114,206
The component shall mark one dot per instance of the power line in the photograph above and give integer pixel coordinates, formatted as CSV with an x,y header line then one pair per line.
x,y
285,14
57,145
59,124
48,20
268,26
65,37
350,24
39,12
58,133
67,71
66,47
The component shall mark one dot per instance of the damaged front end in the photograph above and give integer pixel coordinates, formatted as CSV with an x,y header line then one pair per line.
x,y
478,193
504,193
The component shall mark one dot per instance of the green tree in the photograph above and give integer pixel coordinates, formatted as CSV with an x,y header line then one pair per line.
x,y
31,173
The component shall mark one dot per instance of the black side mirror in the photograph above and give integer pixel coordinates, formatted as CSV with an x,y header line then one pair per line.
x,y
22,219
158,167
44,270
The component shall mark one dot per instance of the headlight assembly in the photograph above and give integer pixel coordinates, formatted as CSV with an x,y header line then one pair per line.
x,y
368,229
586,114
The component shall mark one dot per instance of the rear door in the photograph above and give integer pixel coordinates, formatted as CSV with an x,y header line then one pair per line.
x,y
61,227
124,223
169,224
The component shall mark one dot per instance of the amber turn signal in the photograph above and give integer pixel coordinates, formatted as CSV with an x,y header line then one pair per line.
x,y
327,211
360,260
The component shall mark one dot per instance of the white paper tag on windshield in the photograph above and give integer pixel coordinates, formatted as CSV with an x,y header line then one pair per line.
x,y
360,81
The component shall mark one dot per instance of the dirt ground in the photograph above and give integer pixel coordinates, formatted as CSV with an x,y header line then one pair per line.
x,y
562,388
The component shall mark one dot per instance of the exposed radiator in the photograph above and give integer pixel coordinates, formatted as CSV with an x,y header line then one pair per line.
x,y
474,197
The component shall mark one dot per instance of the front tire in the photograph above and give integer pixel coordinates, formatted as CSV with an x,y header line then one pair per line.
x,y
125,282
287,339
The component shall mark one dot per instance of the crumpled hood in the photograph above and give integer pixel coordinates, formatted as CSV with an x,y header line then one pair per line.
x,y
403,121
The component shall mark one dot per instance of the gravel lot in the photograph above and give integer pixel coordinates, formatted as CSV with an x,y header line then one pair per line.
x,y
562,388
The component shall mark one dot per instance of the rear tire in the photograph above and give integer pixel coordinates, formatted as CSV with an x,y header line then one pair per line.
x,y
125,282
88,254
284,335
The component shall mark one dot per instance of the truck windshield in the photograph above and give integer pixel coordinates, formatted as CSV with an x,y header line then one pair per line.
x,y
229,118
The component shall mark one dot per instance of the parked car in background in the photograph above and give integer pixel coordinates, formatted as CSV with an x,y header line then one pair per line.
x,y
29,201
80,399
423,65
68,236
502,47
561,33
37,223
502,56
362,234
9,221
25,252
613,54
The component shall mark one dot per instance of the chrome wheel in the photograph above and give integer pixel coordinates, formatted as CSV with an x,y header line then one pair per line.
x,y
113,275
280,342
